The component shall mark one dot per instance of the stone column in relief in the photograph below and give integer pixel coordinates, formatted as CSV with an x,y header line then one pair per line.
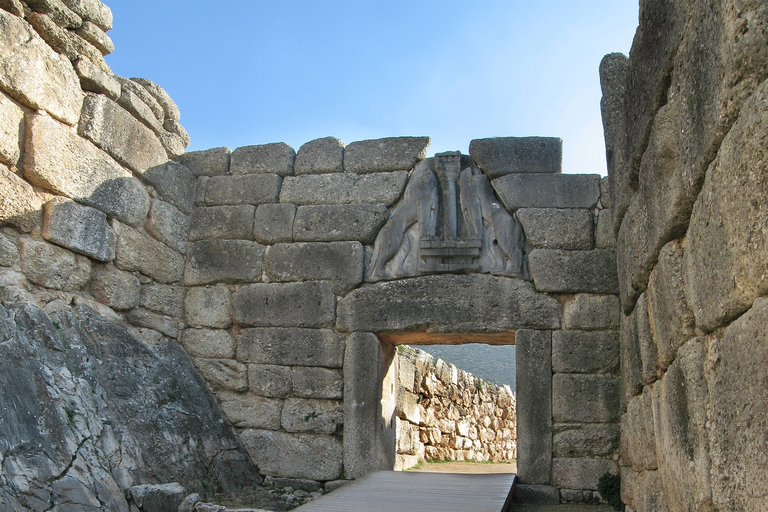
x,y
534,405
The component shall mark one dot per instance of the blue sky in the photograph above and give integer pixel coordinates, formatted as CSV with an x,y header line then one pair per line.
x,y
259,71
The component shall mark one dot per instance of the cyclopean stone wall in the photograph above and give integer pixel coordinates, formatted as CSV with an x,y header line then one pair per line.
x,y
445,413
686,130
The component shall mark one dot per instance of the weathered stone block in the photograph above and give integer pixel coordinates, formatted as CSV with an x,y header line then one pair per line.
x,y
328,223
384,188
338,262
320,156
554,270
309,382
53,86
270,380
291,347
556,228
246,410
9,253
500,156
448,303
92,10
57,159
533,354
211,343
200,188
53,267
93,79
586,440
14,7
137,100
585,352
639,354
316,416
231,261
536,494
641,490
727,248
274,223
312,456
548,190
163,298
737,387
245,189
94,35
592,312
223,373
157,498
581,473
20,204
115,288
382,155
604,237
117,132
231,222
210,162
11,126
208,306
175,183
145,318
585,399
275,158
638,438
137,251
310,304
169,225
169,108
79,228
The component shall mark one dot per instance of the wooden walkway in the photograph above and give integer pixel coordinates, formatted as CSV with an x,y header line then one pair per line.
x,y
397,491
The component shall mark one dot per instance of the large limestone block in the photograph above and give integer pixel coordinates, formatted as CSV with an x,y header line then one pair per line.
x,y
585,398
639,353
638,437
533,356
641,490
137,251
94,35
585,440
53,267
166,299
36,75
141,317
312,456
209,162
270,380
291,347
542,190
144,107
738,411
592,312
169,108
275,158
229,222
382,155
585,352
581,473
309,304
680,404
57,159
243,189
223,373
273,223
246,410
79,228
385,188
117,132
169,225
117,289
311,382
448,303
727,245
320,156
11,125
622,183
314,416
553,228
14,7
175,183
9,252
500,156
93,79
211,343
671,319
208,306
92,10
20,204
604,237
228,261
329,223
338,262
633,258
559,271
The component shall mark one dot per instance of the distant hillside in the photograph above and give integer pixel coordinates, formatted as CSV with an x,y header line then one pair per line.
x,y
492,363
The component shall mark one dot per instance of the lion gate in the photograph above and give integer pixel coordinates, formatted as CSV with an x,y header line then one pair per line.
x,y
306,269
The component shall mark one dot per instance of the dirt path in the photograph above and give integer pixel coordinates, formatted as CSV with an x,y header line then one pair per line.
x,y
474,468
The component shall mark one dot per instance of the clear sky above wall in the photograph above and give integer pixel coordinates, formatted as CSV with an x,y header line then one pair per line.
x,y
257,71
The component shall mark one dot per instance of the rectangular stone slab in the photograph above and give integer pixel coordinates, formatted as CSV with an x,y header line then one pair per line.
x,y
499,156
548,190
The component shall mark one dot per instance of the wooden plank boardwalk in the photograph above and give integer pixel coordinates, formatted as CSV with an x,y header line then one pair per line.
x,y
397,491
